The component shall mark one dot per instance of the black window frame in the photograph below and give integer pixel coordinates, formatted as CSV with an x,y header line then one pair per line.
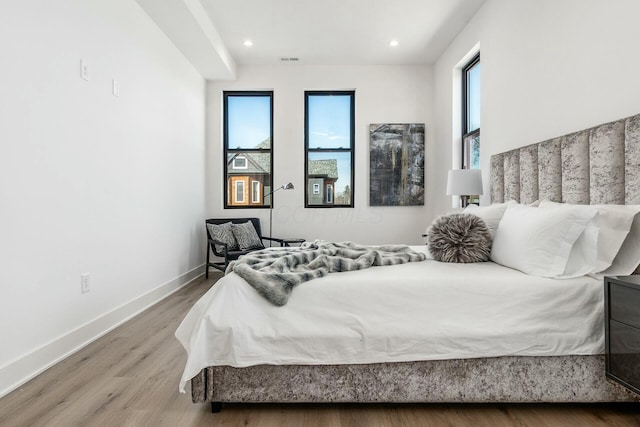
x,y
226,150
467,134
351,149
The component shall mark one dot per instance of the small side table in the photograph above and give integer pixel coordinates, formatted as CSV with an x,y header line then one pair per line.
x,y
292,241
622,330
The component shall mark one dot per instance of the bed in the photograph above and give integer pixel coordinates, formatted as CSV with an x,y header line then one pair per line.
x,y
288,355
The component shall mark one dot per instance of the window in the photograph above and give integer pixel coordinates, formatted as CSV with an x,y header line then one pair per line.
x,y
239,162
471,114
329,148
248,149
239,191
255,192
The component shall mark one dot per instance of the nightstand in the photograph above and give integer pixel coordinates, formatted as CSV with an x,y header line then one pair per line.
x,y
622,330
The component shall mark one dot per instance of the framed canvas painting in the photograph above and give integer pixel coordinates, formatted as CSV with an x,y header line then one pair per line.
x,y
396,164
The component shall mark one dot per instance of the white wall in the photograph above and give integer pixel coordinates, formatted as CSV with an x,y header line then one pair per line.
x,y
90,182
384,94
548,68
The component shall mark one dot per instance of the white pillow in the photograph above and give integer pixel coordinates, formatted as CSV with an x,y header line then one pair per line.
x,y
628,258
583,258
491,215
538,241
614,222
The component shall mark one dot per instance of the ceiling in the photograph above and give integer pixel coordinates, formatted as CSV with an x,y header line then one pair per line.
x,y
332,32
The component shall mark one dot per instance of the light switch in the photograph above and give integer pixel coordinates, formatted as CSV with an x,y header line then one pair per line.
x,y
115,86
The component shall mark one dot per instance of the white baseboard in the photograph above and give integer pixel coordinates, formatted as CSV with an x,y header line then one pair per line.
x,y
18,372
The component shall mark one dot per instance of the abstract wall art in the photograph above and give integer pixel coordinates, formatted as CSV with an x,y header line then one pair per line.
x,y
396,164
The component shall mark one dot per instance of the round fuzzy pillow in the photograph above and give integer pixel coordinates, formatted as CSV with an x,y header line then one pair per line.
x,y
459,238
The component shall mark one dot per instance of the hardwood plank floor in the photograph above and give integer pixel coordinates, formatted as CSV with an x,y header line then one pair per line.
x,y
130,377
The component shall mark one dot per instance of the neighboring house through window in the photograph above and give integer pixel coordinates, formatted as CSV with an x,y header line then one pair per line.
x,y
471,114
248,150
329,148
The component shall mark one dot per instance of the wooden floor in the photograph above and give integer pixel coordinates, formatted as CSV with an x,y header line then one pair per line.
x,y
130,378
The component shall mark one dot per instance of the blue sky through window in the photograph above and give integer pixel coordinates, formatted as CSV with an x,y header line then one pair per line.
x,y
249,120
473,75
329,121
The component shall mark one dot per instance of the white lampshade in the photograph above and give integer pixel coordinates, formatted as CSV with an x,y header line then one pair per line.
x,y
464,182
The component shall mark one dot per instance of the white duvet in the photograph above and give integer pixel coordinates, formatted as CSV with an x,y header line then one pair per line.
x,y
416,311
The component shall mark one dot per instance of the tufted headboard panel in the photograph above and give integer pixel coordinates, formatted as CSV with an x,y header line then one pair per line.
x,y
600,165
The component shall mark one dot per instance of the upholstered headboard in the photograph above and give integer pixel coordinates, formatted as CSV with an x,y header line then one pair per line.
x,y
600,165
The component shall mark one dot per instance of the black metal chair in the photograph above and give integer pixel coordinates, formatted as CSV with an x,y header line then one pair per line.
x,y
230,255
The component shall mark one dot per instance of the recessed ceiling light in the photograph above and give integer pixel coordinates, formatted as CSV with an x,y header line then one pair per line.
x,y
393,43
248,43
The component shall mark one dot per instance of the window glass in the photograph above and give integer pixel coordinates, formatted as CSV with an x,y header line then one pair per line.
x,y
329,168
249,120
239,192
255,191
472,151
473,97
329,118
240,162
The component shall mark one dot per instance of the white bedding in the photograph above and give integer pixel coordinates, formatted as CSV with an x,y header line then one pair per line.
x,y
416,311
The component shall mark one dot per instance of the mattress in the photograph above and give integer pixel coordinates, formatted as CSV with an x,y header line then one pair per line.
x,y
410,312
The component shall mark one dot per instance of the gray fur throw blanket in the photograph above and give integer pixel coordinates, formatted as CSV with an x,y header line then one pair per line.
x,y
275,272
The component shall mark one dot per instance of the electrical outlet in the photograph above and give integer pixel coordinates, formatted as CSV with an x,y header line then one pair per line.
x,y
84,70
85,283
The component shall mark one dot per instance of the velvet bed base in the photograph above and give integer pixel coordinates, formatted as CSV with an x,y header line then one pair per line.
x,y
600,165
501,379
